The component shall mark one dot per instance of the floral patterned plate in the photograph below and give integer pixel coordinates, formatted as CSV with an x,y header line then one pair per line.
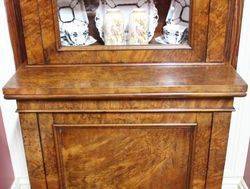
x,y
73,23
126,8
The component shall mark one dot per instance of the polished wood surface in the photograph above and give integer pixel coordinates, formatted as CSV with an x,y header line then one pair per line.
x,y
118,81
101,136
33,150
161,122
32,34
49,150
16,31
234,28
218,19
127,106
218,149
64,138
124,157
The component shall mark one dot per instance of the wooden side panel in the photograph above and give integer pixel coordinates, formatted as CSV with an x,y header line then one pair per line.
x,y
32,31
49,150
218,18
16,30
48,35
201,149
34,156
218,147
236,8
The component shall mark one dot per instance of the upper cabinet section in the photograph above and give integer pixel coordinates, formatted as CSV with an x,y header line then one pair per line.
x,y
124,31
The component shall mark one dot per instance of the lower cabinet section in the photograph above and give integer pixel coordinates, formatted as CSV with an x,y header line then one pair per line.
x,y
128,150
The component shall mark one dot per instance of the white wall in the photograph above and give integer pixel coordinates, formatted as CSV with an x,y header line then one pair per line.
x,y
240,126
239,133
10,118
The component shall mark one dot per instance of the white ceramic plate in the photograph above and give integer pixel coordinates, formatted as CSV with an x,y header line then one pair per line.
x,y
126,8
73,23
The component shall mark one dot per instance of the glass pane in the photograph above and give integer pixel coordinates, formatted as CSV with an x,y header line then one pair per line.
x,y
123,22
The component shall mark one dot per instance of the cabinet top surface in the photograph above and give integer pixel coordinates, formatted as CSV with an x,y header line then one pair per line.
x,y
124,81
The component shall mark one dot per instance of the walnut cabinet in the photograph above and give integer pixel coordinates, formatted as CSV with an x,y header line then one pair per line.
x,y
153,116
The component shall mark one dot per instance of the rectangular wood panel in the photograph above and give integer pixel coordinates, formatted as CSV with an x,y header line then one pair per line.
x,y
32,144
201,149
124,156
123,118
128,105
218,148
32,31
49,150
217,31
89,146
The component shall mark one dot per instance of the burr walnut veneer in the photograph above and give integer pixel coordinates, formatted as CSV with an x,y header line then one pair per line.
x,y
130,117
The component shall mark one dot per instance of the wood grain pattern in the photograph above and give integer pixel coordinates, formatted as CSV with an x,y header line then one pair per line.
x,y
32,31
124,157
32,144
123,118
72,129
125,105
201,149
133,81
218,148
16,31
218,19
233,39
49,150
161,122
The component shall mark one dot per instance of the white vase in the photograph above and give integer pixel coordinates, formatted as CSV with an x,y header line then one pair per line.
x,y
138,27
114,27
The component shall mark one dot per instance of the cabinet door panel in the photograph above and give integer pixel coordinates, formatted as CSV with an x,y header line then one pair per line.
x,y
124,157
168,151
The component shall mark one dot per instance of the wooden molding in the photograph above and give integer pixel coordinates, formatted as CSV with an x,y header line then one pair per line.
x,y
16,31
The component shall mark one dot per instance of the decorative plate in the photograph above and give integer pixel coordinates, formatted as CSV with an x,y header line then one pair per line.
x,y
126,8
73,23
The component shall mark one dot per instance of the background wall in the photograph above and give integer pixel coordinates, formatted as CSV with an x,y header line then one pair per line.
x,y
247,170
6,173
10,118
240,126
239,133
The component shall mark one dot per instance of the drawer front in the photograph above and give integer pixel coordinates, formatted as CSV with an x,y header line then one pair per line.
x,y
125,150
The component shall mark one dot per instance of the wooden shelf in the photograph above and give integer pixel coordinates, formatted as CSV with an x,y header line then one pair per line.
x,y
152,46
121,81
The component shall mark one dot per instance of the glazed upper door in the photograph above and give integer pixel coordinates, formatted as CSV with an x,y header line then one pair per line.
x,y
125,150
119,31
